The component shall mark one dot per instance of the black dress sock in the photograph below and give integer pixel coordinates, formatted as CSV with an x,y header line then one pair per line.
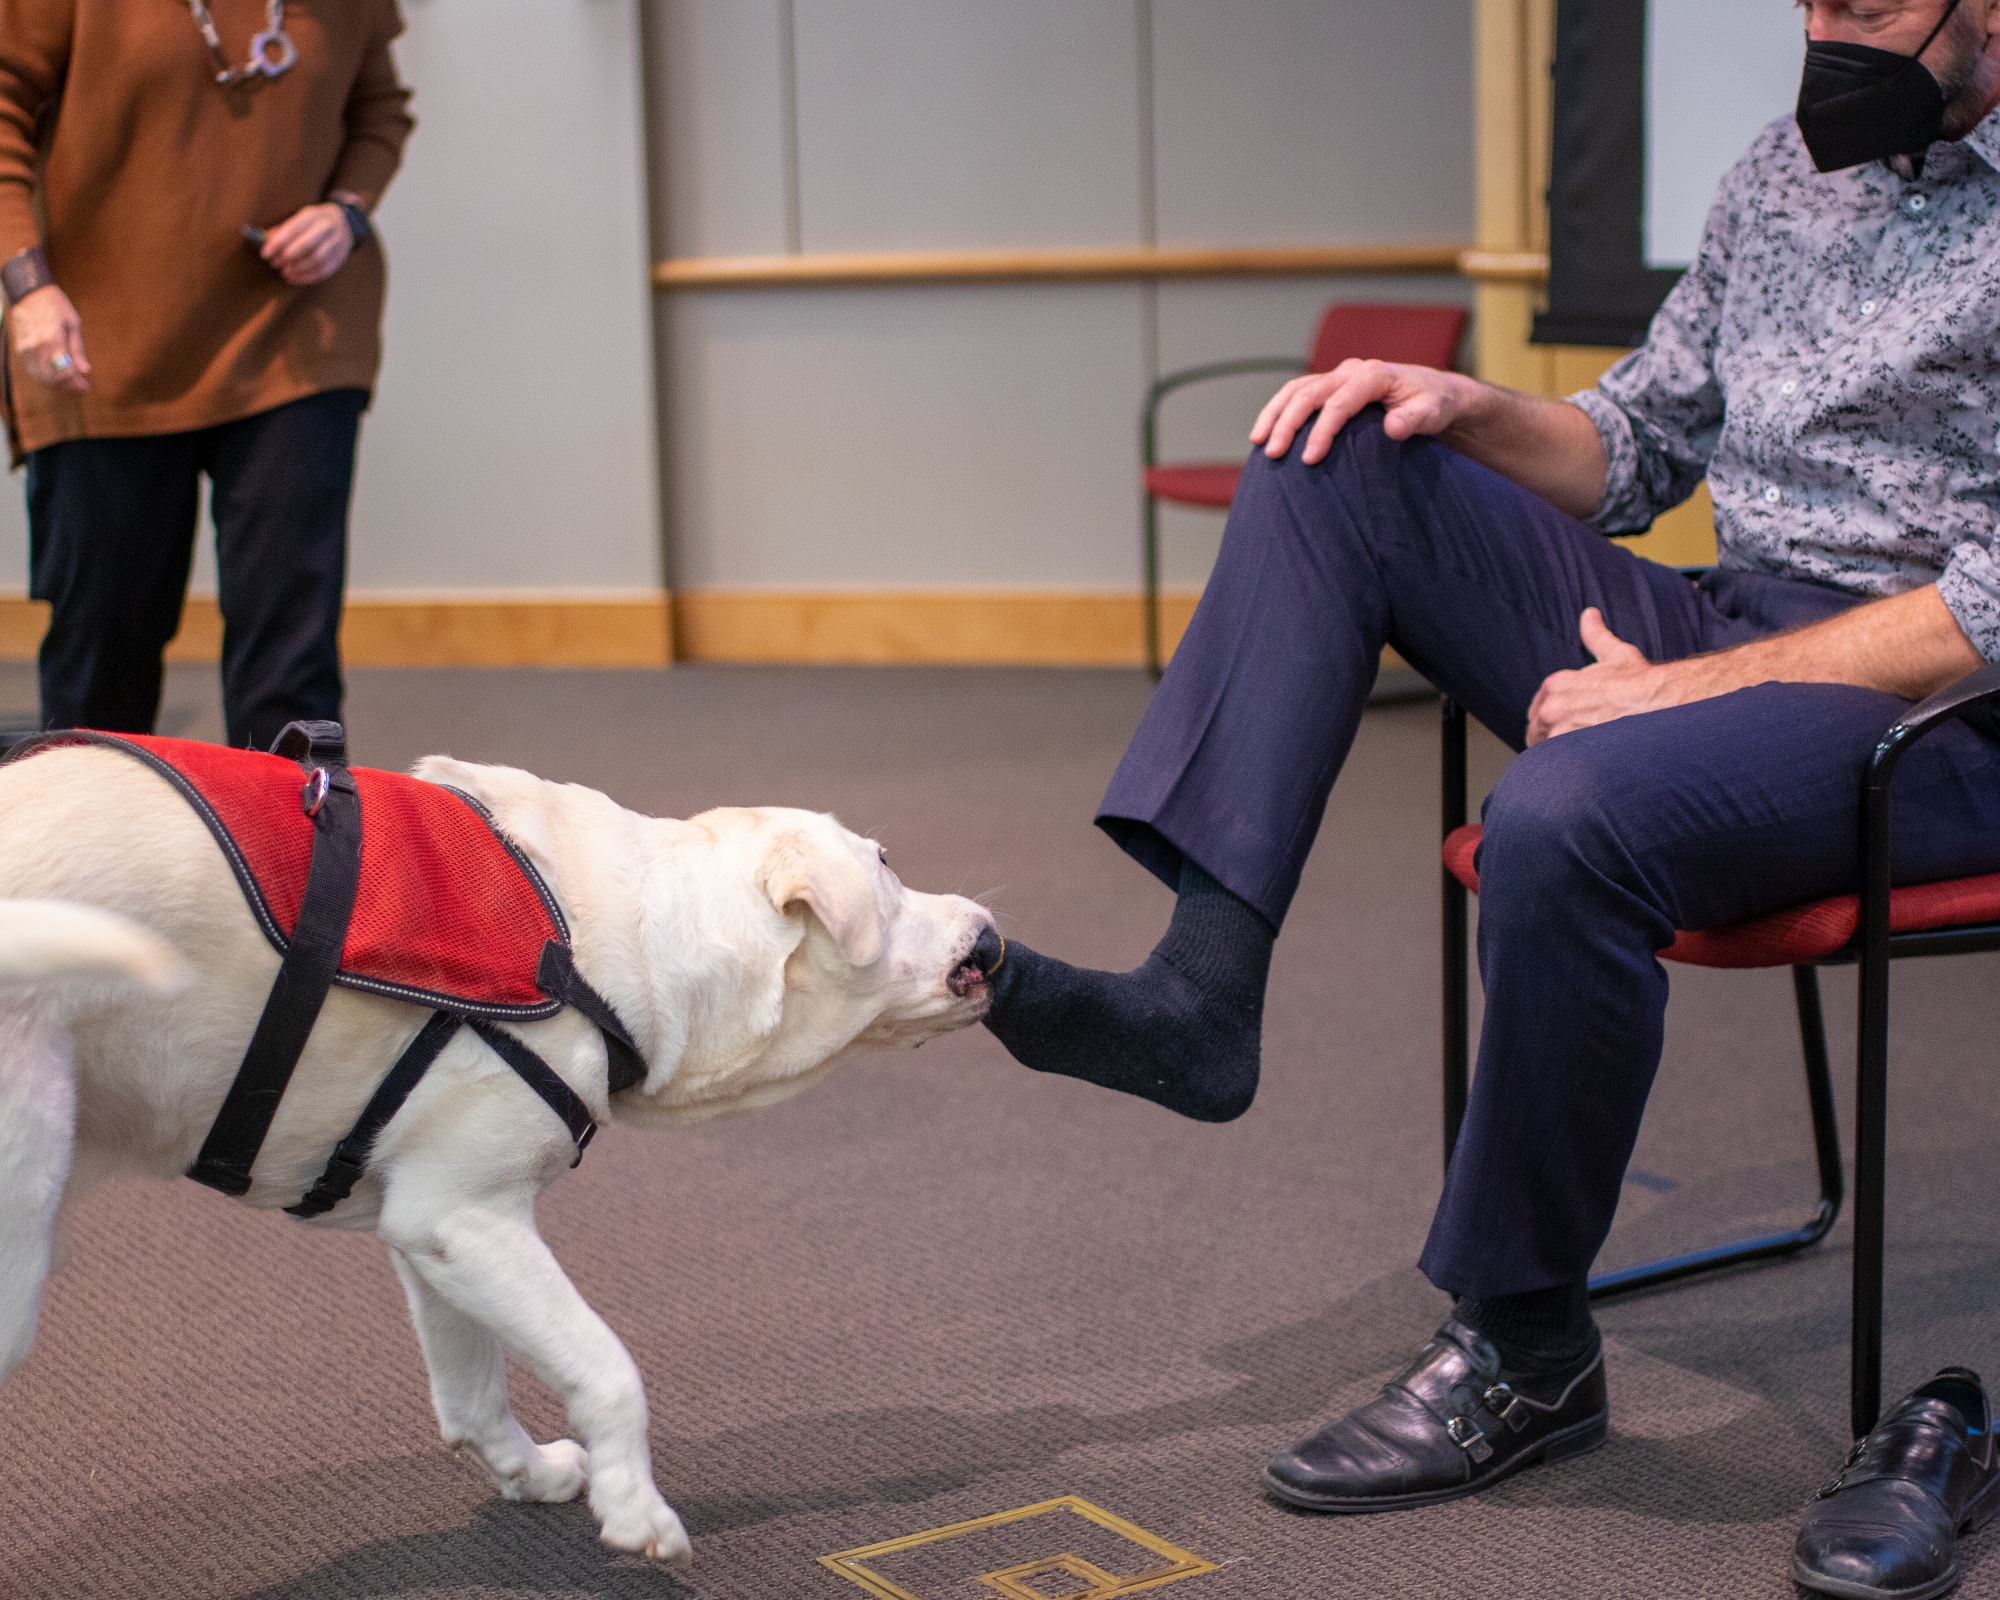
x,y
1182,1029
1541,1332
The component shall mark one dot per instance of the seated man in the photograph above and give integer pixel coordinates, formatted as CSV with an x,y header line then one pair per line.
x,y
1694,757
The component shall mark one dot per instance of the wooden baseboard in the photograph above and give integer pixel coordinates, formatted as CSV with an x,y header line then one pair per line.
x,y
432,630
1034,629
906,629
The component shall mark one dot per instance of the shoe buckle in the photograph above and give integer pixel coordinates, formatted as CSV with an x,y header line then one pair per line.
x,y
1466,1435
1507,1406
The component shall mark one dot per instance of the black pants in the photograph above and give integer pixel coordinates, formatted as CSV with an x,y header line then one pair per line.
x,y
111,526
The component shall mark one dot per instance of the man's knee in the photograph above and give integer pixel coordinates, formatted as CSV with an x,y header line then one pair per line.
x,y
1552,824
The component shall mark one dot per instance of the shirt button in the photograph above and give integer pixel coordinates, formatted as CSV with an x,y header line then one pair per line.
x,y
1868,308
1917,202
1789,386
1772,495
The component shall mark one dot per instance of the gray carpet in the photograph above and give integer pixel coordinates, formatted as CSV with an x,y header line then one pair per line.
x,y
940,1287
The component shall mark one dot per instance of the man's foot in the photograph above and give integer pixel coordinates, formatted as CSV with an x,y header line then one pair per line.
x,y
1182,1030
1452,1424
1887,1526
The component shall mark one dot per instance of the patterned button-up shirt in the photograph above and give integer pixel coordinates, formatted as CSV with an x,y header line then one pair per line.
x,y
1831,363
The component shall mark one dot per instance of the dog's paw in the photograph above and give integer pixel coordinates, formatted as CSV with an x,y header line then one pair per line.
x,y
645,1524
560,1470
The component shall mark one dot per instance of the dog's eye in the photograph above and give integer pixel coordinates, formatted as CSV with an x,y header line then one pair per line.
x,y
882,855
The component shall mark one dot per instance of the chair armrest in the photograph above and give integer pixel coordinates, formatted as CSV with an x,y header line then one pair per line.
x,y
1977,688
1149,418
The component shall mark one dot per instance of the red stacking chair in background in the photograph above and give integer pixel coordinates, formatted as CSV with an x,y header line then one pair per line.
x,y
1419,335
1870,929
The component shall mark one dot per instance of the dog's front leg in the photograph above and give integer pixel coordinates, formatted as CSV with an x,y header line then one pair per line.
x,y
493,1268
469,1388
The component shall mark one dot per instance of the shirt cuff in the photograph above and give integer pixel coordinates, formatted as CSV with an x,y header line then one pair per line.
x,y
1620,501
1970,588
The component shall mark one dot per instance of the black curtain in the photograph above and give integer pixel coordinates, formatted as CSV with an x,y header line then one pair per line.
x,y
1600,289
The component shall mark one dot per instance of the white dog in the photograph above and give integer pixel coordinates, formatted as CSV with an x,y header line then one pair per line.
x,y
747,950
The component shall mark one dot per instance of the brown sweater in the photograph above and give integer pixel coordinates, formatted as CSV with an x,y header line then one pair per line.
x,y
121,156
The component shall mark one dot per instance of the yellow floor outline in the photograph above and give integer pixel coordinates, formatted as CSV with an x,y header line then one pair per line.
x,y
1020,1580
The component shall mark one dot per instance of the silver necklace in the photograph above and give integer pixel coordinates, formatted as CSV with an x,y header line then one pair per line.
x,y
271,51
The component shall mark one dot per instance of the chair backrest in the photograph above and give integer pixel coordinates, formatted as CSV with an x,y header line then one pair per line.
x,y
1421,335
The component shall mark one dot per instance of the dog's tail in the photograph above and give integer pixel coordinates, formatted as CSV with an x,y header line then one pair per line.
x,y
49,941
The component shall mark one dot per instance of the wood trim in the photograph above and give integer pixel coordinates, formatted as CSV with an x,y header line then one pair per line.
x,y
901,628
1048,266
1505,266
406,630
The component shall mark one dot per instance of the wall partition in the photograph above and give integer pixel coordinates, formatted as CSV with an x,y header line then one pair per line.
x,y
937,468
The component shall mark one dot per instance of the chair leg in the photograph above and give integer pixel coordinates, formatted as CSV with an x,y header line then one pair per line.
x,y
1151,544
1456,1009
1871,1115
1826,1147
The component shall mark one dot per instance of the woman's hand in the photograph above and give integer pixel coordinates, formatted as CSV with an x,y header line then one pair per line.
x,y
48,337
310,245
1419,400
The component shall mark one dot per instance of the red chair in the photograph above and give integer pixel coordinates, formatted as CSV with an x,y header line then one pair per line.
x,y
1420,335
1872,928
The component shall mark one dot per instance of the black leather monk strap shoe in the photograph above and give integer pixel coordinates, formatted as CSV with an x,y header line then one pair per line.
x,y
1451,1425
1887,1526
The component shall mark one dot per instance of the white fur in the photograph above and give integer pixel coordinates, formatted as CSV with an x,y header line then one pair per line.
x,y
749,950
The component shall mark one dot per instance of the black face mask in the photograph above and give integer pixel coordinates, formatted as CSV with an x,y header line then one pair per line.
x,y
1857,103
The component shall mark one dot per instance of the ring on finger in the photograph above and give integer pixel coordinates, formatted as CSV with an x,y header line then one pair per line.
x,y
60,361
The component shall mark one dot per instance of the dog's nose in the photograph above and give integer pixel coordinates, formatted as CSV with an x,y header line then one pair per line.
x,y
988,950
979,963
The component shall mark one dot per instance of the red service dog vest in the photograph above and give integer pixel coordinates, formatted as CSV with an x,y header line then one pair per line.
x,y
448,914
379,882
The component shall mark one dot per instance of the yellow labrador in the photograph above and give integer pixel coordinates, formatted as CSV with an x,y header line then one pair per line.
x,y
748,951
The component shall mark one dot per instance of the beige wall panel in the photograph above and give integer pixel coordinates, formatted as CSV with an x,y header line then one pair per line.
x,y
961,124
925,439
717,126
512,441
14,532
1313,121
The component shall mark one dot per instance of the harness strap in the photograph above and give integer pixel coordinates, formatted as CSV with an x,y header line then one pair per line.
x,y
350,1156
557,975
304,976
538,1075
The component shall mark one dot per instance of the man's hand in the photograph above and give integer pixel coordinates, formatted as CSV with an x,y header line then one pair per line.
x,y
310,245
1909,645
1621,682
48,337
1419,400
1548,447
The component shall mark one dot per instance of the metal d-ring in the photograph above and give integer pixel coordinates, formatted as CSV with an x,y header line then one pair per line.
x,y
313,795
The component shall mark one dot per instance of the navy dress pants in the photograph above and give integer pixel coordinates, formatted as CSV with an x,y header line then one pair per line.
x,y
111,526
1598,843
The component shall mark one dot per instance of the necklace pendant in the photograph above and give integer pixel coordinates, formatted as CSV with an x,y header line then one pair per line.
x,y
272,52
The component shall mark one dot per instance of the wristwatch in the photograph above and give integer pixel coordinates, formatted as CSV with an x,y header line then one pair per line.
x,y
359,229
23,273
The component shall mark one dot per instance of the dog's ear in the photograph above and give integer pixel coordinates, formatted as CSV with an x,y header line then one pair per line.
x,y
801,870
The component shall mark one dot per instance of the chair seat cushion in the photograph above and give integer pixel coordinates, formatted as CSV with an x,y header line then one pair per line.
x,y
1196,483
1797,934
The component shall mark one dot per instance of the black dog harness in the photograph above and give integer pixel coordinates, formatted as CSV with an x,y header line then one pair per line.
x,y
323,935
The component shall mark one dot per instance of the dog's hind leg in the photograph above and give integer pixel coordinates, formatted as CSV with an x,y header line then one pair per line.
x,y
37,1135
469,1388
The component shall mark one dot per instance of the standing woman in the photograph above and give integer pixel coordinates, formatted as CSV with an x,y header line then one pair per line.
x,y
185,188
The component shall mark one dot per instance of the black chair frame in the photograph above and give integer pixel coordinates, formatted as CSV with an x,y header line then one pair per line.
x,y
1149,457
1872,948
